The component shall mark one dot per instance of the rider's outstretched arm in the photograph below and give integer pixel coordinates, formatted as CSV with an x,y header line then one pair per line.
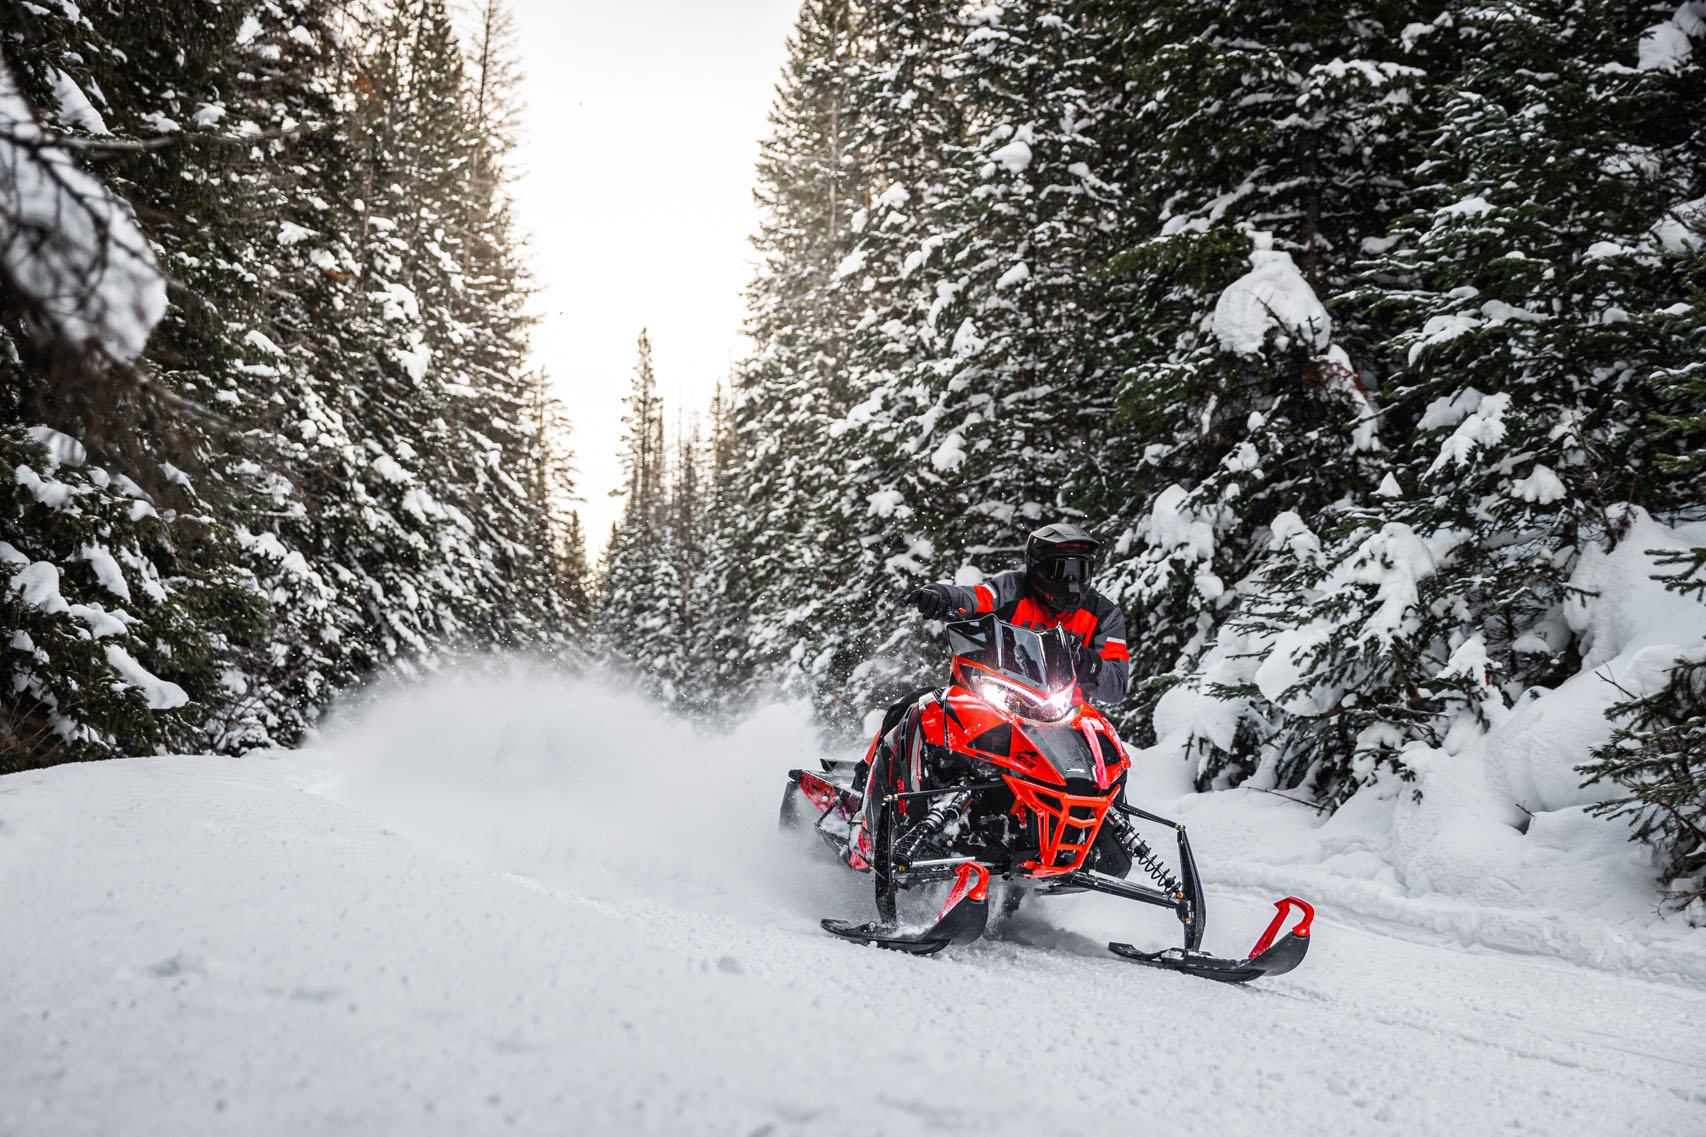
x,y
1000,589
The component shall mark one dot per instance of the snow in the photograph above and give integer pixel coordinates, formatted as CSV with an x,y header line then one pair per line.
x,y
50,492
1472,206
1018,274
1442,329
852,263
1174,527
290,233
1666,46
1449,411
1015,157
1285,668
1483,428
1288,531
885,502
1632,630
38,587
99,621
1683,228
62,449
162,694
1272,296
68,243
437,924
1541,486
75,110
106,570
950,453
967,341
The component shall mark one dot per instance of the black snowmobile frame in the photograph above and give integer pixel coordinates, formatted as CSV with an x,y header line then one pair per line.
x,y
964,916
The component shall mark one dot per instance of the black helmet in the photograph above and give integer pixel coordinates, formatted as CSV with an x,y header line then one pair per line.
x,y
1058,562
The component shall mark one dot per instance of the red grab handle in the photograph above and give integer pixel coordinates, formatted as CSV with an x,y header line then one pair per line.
x,y
1285,906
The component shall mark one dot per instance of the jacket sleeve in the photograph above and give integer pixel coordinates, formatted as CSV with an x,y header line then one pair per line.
x,y
992,595
1109,642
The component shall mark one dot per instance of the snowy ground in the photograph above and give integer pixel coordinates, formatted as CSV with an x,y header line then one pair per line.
x,y
472,912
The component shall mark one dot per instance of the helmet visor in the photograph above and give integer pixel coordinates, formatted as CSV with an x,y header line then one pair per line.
x,y
1064,568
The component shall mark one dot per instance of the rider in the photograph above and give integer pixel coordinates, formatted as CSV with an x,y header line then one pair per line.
x,y
1053,590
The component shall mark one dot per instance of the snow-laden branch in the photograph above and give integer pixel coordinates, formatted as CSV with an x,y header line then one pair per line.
x,y
67,244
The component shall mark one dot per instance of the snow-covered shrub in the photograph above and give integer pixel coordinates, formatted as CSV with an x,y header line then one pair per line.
x,y
1657,758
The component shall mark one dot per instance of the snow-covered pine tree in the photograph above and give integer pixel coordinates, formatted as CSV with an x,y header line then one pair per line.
x,y
1261,154
1657,760
639,629
1527,294
1657,755
133,659
1023,379
985,347
553,482
796,383
323,473
719,668
489,410
272,215
862,648
437,522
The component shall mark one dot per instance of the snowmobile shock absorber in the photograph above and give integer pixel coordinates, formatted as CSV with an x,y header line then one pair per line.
x,y
944,813
1142,855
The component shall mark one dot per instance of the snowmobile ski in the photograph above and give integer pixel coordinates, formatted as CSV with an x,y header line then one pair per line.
x,y
962,919
1268,957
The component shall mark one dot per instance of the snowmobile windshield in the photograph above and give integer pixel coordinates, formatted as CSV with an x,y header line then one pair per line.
x,y
1040,659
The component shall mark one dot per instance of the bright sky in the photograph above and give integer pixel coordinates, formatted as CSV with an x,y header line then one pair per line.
x,y
641,127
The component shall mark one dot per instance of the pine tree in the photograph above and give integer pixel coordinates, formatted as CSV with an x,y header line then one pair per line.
x,y
1260,157
639,610
1657,758
797,383
719,667
326,461
112,502
1524,349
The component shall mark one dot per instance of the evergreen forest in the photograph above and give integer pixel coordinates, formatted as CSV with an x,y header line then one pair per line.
x,y
1362,333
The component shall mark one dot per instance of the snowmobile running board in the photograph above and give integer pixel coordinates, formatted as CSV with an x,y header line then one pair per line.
x,y
1266,958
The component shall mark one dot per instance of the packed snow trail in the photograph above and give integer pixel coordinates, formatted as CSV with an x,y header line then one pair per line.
x,y
516,904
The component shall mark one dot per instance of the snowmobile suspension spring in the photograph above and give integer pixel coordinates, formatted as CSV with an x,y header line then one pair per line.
x,y
943,814
1143,856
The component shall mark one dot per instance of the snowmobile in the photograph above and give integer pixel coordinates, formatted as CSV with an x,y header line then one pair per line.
x,y
1009,774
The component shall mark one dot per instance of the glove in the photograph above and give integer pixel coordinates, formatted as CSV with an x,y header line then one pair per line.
x,y
933,601
1086,663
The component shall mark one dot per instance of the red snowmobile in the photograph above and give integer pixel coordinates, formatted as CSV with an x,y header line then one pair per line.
x,y
1009,773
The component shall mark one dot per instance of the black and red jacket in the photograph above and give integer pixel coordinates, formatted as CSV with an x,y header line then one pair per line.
x,y
1100,623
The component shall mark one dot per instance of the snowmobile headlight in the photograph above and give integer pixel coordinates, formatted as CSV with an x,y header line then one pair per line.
x,y
1017,700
